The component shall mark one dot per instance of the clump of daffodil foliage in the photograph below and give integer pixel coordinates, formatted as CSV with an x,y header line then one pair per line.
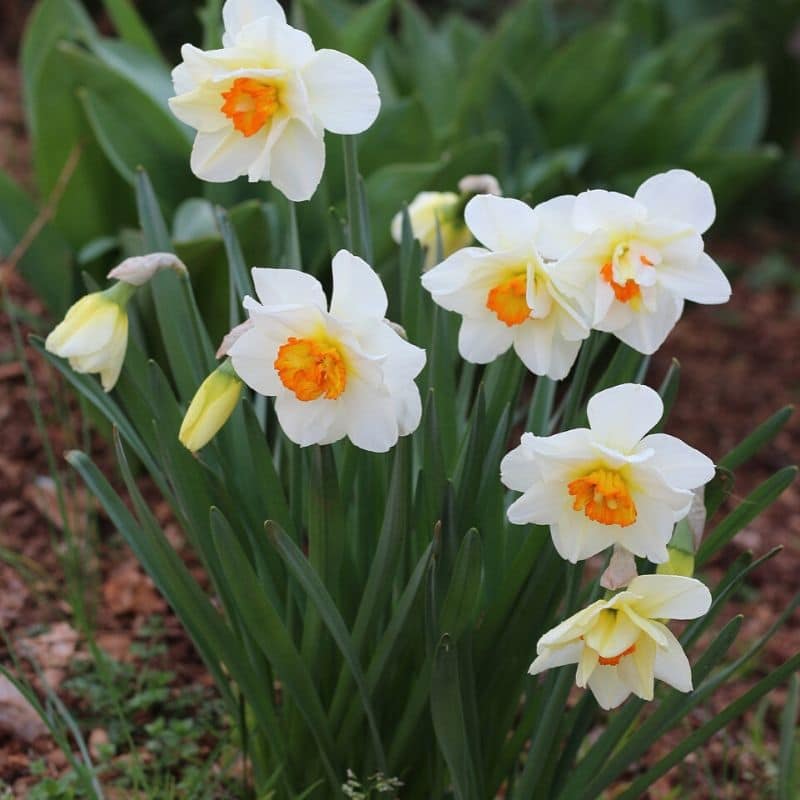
x,y
431,488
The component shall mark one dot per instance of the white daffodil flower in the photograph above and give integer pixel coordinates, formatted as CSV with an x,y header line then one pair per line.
x,y
262,103
609,483
505,292
641,256
93,335
335,372
435,216
621,644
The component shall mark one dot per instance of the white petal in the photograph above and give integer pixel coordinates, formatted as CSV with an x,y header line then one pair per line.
x,y
556,657
283,287
358,293
253,355
670,596
636,669
407,408
298,159
649,535
576,537
701,281
572,628
612,211
342,92
482,339
518,469
647,330
462,281
200,108
402,361
539,505
224,155
370,416
607,687
306,422
620,416
238,13
501,223
679,195
681,465
556,233
671,664
533,343
276,44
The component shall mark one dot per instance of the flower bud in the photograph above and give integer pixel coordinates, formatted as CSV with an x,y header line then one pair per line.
x,y
211,407
93,335
435,215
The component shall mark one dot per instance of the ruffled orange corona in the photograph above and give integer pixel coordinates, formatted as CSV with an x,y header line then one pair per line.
x,y
311,369
250,104
603,496
508,301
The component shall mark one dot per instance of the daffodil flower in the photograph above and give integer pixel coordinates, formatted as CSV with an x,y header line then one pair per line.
x,y
621,644
505,292
609,483
262,103
641,257
435,216
93,335
211,407
343,371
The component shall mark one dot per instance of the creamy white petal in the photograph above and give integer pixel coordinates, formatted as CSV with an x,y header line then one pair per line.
x,y
277,45
681,465
556,233
612,634
88,337
701,281
587,664
671,664
612,211
482,339
670,596
572,628
238,13
305,422
519,469
358,293
342,92
636,669
200,108
501,223
224,155
556,657
370,414
647,331
298,159
620,416
607,687
680,195
538,505
281,287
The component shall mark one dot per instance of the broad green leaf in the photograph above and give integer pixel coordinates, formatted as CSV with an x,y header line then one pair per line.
x,y
130,26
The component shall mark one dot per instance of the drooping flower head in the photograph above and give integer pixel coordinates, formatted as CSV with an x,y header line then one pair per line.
x,y
621,644
343,371
505,292
641,256
609,483
262,103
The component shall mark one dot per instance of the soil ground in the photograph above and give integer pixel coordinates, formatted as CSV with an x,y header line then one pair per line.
x,y
738,363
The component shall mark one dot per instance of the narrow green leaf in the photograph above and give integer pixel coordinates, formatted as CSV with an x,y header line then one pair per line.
x,y
130,26
788,776
463,599
760,437
299,567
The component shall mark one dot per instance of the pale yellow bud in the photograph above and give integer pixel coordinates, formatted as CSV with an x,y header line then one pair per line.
x,y
211,407
93,335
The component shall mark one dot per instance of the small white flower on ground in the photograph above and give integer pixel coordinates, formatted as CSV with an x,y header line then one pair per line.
x,y
435,217
621,645
609,484
505,292
641,257
335,372
262,103
93,335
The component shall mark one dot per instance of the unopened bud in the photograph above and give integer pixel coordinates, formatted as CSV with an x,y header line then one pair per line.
x,y
138,270
211,407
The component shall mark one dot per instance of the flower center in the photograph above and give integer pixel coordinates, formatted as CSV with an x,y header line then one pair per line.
x,y
311,369
250,104
603,496
508,301
628,260
614,660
